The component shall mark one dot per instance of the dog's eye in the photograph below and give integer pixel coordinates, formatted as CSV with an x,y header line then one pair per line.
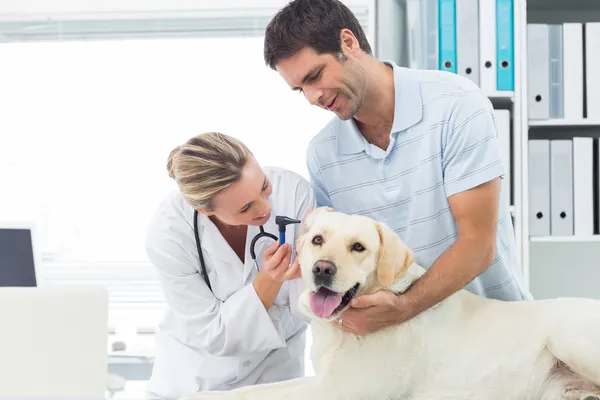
x,y
317,240
358,247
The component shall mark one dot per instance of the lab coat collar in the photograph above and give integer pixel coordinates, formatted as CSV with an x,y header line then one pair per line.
x,y
249,264
213,243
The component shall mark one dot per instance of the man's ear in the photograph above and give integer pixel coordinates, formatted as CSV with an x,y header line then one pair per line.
x,y
394,256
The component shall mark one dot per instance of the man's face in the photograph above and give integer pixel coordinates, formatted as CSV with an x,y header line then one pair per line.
x,y
334,83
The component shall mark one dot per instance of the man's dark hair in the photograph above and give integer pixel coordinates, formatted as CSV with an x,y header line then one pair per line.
x,y
310,23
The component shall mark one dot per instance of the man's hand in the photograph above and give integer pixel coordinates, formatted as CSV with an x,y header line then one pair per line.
x,y
369,313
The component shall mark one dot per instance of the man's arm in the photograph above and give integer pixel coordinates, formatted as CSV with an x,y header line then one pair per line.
x,y
475,211
476,215
472,167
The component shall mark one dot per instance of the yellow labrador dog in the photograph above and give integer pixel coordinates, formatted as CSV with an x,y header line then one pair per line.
x,y
466,347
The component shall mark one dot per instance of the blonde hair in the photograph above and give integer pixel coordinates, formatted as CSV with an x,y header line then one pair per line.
x,y
206,165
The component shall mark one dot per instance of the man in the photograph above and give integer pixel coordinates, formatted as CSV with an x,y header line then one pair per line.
x,y
415,149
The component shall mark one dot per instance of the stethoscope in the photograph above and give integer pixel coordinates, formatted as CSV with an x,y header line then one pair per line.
x,y
281,222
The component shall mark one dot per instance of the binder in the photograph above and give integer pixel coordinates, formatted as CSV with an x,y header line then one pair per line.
x,y
422,26
573,71
583,185
447,35
555,51
487,46
505,45
561,187
432,15
467,39
539,187
596,199
504,141
592,55
538,71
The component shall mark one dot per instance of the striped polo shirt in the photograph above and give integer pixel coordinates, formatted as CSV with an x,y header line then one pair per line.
x,y
443,141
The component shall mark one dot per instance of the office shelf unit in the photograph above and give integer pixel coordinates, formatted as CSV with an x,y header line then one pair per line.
x,y
583,122
426,51
564,264
557,263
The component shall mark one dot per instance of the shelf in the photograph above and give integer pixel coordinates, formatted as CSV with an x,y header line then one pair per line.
x,y
501,95
564,122
562,4
565,239
561,11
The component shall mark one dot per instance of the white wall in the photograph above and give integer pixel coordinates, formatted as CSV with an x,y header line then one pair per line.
x,y
45,7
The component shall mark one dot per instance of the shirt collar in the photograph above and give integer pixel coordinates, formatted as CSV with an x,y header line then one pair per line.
x,y
408,111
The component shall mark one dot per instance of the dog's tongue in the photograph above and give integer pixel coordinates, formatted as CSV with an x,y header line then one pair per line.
x,y
324,301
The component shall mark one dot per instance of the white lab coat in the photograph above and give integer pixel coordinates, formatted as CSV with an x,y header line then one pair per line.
x,y
225,340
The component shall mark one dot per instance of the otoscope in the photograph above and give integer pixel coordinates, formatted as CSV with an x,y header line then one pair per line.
x,y
282,222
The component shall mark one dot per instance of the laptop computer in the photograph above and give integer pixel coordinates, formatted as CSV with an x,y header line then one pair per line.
x,y
18,256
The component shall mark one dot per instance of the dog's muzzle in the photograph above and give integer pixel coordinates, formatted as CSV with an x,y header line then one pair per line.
x,y
324,272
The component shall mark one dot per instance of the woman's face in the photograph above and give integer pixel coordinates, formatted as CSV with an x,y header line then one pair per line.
x,y
246,202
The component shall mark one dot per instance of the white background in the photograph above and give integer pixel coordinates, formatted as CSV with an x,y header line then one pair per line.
x,y
87,128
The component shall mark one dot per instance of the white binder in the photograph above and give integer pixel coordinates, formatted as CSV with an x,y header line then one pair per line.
x,y
467,39
487,45
555,48
583,185
539,187
597,144
538,71
561,187
573,71
592,54
504,140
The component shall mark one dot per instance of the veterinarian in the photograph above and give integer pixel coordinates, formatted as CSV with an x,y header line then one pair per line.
x,y
415,149
241,326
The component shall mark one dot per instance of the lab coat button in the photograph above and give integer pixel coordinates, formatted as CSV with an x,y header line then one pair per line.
x,y
246,363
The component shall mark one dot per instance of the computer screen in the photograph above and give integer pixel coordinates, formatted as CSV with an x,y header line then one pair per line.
x,y
17,260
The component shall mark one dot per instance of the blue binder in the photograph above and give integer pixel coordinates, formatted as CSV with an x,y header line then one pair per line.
x,y
505,75
447,35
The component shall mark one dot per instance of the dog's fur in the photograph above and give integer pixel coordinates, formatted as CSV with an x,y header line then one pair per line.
x,y
466,347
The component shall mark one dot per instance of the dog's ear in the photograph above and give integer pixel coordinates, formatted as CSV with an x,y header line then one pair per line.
x,y
307,221
394,257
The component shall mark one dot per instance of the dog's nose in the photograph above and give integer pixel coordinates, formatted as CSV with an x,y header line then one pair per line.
x,y
323,272
324,268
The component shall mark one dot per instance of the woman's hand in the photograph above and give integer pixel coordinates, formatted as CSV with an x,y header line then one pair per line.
x,y
273,273
276,262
